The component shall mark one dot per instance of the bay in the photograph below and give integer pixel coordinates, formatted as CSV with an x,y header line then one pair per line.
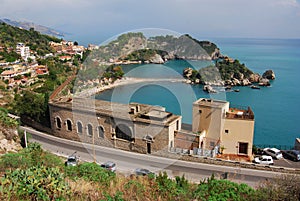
x,y
276,108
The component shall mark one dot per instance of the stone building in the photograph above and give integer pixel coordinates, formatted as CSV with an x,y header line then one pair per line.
x,y
135,127
145,128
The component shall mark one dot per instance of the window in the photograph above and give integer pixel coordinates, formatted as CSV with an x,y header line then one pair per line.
x,y
123,132
226,131
58,122
69,125
79,127
90,130
243,148
100,131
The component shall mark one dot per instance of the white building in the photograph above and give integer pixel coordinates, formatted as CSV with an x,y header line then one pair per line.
x,y
23,50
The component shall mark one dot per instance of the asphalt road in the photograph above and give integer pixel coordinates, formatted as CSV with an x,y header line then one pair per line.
x,y
127,162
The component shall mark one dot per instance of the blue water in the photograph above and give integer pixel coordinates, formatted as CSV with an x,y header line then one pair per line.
x,y
276,108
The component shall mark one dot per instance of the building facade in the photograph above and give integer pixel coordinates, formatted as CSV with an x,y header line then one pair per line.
x,y
216,128
230,130
134,127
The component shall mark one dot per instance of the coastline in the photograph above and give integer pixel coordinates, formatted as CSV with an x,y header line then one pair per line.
x,y
120,82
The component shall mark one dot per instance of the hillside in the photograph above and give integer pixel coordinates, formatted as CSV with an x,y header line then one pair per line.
x,y
40,28
137,47
10,36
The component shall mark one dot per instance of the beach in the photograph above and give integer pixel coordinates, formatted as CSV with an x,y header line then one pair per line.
x,y
124,81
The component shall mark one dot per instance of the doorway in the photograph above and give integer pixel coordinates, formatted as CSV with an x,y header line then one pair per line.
x,y
148,147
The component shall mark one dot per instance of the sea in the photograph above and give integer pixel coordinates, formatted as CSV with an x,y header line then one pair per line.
x,y
276,108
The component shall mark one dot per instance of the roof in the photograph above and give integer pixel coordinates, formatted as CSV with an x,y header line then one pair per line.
x,y
146,114
210,102
8,72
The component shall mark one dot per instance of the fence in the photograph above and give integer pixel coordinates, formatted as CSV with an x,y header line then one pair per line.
x,y
280,147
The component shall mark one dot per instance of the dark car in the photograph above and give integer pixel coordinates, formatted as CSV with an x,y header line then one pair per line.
x,y
292,155
143,172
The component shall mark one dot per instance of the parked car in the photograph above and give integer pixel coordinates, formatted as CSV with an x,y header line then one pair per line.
x,y
275,153
143,172
111,166
266,160
72,161
292,155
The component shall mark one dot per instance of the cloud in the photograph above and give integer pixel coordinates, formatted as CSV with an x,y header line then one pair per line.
x,y
230,18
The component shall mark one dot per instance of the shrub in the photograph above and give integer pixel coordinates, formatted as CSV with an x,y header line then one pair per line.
x,y
90,172
285,187
223,190
35,183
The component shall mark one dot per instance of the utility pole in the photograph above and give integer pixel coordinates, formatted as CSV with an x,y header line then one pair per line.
x,y
25,138
94,148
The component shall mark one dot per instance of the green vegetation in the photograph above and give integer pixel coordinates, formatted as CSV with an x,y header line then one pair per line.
x,y
32,105
10,36
208,46
144,55
229,69
33,174
223,70
5,120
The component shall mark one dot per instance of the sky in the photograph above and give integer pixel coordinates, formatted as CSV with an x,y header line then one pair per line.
x,y
97,20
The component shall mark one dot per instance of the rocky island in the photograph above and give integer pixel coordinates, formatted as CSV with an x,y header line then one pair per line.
x,y
227,72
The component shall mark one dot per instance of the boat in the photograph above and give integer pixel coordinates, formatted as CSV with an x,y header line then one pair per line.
x,y
255,87
236,90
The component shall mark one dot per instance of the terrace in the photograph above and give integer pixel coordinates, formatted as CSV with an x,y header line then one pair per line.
x,y
240,113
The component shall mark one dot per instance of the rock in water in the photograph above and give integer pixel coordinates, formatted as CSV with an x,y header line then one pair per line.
x,y
269,74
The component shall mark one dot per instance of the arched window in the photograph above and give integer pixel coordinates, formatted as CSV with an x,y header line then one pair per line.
x,y
90,130
79,127
58,122
69,125
100,131
123,132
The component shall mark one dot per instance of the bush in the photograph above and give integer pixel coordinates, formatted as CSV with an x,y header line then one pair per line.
x,y
28,157
90,172
223,190
35,183
285,187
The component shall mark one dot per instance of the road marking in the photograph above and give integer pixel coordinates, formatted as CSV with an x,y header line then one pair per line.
x,y
287,161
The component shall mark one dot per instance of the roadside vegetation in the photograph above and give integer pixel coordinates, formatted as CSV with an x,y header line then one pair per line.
x,y
34,174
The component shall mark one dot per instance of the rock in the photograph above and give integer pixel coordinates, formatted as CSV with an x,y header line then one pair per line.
x,y
9,140
254,77
264,82
209,89
245,82
236,82
240,76
156,59
269,74
197,81
187,72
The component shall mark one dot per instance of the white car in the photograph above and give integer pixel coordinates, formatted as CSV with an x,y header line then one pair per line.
x,y
275,153
265,160
111,166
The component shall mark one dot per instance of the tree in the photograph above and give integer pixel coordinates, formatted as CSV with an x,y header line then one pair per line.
x,y
30,104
